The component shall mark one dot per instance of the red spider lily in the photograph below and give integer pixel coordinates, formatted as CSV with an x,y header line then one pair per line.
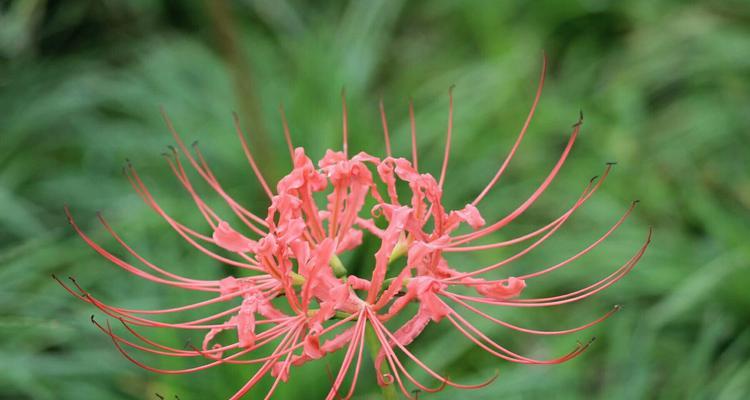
x,y
296,302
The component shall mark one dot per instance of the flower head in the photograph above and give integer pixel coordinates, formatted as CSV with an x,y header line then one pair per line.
x,y
292,300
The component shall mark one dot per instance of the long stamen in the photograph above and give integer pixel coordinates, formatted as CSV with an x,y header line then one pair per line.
x,y
537,193
148,263
521,253
128,267
424,367
357,340
413,123
533,331
249,155
386,135
520,136
182,230
240,211
573,296
584,251
264,369
396,365
345,124
447,138
287,135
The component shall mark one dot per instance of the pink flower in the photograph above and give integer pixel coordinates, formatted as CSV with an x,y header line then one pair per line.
x,y
292,299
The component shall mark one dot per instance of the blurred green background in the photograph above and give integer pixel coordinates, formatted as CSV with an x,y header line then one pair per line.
x,y
664,86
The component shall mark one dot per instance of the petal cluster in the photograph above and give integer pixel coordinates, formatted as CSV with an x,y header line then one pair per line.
x,y
292,299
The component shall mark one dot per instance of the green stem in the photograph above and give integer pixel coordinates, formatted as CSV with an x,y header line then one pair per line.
x,y
389,391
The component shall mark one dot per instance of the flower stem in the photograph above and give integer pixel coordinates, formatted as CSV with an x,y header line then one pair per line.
x,y
389,391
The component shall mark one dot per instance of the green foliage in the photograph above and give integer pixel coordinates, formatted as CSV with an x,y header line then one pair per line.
x,y
664,87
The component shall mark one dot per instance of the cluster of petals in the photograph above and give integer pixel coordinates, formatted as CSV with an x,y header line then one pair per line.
x,y
292,300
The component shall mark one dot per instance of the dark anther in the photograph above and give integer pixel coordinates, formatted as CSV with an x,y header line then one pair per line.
x,y
159,396
580,119
195,143
611,163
